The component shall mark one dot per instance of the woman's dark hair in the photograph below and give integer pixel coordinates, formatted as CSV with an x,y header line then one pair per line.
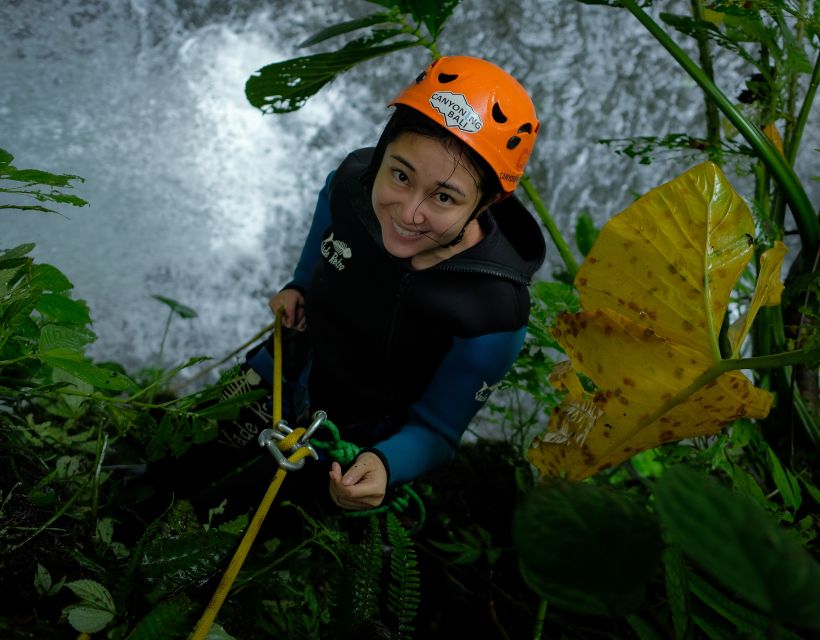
x,y
407,120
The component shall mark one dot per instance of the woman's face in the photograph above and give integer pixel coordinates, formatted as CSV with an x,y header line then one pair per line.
x,y
423,195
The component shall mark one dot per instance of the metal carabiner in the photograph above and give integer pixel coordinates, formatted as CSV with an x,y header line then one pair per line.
x,y
269,438
318,420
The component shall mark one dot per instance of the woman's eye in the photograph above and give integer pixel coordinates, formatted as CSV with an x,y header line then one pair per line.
x,y
443,198
399,175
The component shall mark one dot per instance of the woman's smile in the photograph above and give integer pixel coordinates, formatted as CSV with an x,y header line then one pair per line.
x,y
423,196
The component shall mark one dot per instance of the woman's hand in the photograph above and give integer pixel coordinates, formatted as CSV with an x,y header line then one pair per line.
x,y
294,305
362,487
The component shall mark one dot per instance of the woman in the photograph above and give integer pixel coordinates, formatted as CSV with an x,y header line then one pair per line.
x,y
411,288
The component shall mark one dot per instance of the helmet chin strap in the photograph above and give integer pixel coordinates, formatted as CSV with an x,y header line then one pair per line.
x,y
460,235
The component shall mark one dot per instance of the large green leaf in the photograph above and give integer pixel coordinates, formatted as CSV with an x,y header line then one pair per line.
x,y
77,365
169,564
734,540
586,548
64,309
286,86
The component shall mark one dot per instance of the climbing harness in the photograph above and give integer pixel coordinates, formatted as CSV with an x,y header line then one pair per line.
x,y
290,447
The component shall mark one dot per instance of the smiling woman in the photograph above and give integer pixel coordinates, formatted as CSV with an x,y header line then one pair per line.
x,y
410,295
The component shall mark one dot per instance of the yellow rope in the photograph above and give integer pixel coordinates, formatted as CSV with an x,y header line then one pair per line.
x,y
206,621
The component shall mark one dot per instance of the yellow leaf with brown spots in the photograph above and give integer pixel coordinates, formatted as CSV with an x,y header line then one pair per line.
x,y
654,291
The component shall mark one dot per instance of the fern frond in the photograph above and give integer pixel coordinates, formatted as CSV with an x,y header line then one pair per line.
x,y
365,566
404,589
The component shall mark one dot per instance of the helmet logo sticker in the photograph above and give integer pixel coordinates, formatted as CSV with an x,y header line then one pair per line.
x,y
339,249
456,110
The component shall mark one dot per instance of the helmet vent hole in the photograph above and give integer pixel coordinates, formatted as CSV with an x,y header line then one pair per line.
x,y
421,77
444,78
525,128
512,143
498,114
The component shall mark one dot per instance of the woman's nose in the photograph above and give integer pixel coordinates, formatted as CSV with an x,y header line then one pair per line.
x,y
411,212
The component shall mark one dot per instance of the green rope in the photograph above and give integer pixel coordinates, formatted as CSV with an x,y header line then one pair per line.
x,y
344,453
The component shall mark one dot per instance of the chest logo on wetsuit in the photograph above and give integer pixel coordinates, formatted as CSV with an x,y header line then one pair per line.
x,y
335,251
483,394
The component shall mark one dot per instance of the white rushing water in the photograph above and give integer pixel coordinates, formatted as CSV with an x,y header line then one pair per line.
x,y
198,197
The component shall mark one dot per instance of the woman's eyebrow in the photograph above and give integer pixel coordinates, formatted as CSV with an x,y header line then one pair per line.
x,y
444,185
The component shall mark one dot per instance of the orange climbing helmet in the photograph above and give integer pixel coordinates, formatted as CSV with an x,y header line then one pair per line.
x,y
482,105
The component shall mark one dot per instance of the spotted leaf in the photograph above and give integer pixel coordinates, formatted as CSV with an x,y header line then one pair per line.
x,y
654,290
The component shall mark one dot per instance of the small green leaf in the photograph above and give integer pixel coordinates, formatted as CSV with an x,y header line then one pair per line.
x,y
88,619
92,593
433,13
57,336
180,309
786,482
585,233
35,176
15,253
49,278
42,580
345,27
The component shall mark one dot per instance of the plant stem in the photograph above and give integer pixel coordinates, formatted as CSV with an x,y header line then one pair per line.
x,y
792,143
549,223
539,620
802,209
705,55
786,358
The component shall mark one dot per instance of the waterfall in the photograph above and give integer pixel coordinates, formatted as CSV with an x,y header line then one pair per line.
x,y
197,196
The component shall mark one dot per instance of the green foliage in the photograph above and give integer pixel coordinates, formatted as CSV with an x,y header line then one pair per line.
x,y
734,564
739,545
286,86
586,549
358,592
585,233
403,591
31,180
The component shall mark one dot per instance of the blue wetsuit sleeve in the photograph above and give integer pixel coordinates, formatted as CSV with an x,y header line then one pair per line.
x,y
311,249
467,375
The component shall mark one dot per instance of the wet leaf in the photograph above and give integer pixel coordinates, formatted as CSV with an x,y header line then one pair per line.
x,y
77,365
92,593
585,548
285,86
654,290
743,548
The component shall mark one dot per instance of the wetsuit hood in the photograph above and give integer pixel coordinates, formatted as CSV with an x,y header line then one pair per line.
x,y
513,246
